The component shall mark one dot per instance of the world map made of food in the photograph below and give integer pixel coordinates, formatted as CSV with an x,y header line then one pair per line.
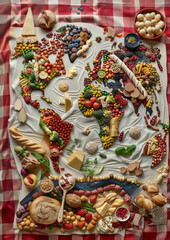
x,y
114,79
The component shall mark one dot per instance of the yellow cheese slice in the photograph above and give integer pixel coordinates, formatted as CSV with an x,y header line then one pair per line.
x,y
28,28
75,160
68,102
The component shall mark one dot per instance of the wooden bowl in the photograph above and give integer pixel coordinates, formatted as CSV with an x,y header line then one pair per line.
x,y
149,10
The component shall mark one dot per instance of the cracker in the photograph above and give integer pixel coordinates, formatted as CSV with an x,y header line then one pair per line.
x,y
129,87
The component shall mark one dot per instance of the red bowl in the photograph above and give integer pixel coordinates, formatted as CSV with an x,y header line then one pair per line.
x,y
149,10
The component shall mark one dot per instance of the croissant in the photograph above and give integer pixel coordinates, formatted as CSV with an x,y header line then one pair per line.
x,y
159,200
139,199
151,189
19,138
148,205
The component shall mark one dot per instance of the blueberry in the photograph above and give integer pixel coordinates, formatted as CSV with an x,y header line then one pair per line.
x,y
76,27
71,34
77,40
79,31
70,53
76,45
89,32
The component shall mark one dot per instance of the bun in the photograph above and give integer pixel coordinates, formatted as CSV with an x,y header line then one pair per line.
x,y
46,19
139,198
44,210
118,202
151,189
159,200
148,205
19,138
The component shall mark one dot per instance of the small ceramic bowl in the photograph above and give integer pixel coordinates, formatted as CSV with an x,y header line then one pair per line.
x,y
132,41
124,216
46,185
149,10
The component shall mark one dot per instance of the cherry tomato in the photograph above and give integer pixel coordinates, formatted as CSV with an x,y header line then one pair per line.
x,y
96,105
88,104
93,99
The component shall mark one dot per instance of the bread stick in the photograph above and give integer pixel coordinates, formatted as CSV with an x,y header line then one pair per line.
x,y
19,138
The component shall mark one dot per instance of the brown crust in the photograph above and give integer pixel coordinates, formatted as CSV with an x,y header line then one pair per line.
x,y
139,198
141,96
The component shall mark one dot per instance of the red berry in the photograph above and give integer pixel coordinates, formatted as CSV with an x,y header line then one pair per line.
x,y
93,198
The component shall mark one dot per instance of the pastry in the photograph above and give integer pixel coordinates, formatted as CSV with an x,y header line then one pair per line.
x,y
139,198
44,210
159,200
31,145
151,189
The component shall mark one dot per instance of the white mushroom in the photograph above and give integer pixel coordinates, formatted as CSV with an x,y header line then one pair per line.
x,y
158,17
148,23
140,17
152,14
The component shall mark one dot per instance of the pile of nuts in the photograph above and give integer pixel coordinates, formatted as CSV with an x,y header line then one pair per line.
x,y
149,24
26,224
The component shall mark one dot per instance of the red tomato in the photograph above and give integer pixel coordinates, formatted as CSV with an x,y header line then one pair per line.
x,y
88,104
93,99
96,105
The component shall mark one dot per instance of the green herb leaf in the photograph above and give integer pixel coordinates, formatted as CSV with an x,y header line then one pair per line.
x,y
42,174
51,226
77,142
37,156
87,161
61,29
95,161
72,147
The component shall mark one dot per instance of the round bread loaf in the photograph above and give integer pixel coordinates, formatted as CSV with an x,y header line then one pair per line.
x,y
44,210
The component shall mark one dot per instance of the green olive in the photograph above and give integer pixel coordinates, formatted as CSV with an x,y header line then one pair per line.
x,y
18,149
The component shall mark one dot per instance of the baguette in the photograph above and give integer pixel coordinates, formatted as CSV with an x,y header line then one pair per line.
x,y
20,139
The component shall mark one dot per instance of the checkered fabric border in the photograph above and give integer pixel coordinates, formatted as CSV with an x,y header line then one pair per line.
x,y
116,13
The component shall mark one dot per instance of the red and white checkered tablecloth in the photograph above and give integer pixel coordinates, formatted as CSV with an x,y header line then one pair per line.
x,y
116,13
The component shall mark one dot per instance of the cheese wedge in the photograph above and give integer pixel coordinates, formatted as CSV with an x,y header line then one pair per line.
x,y
75,160
103,209
68,102
28,28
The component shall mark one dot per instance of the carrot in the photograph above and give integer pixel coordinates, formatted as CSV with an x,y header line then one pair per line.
x,y
47,119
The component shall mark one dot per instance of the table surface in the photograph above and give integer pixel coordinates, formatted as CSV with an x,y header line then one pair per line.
x,y
118,14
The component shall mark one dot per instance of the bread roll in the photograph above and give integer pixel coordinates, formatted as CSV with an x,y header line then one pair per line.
x,y
159,200
151,189
147,205
139,198
31,145
44,210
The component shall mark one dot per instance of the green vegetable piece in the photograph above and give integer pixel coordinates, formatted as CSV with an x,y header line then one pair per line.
x,y
130,149
51,227
29,56
88,94
120,150
101,73
44,127
54,136
102,155
110,99
21,153
100,170
32,85
98,113
37,156
32,77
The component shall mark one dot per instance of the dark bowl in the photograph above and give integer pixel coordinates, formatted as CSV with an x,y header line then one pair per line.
x,y
132,41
